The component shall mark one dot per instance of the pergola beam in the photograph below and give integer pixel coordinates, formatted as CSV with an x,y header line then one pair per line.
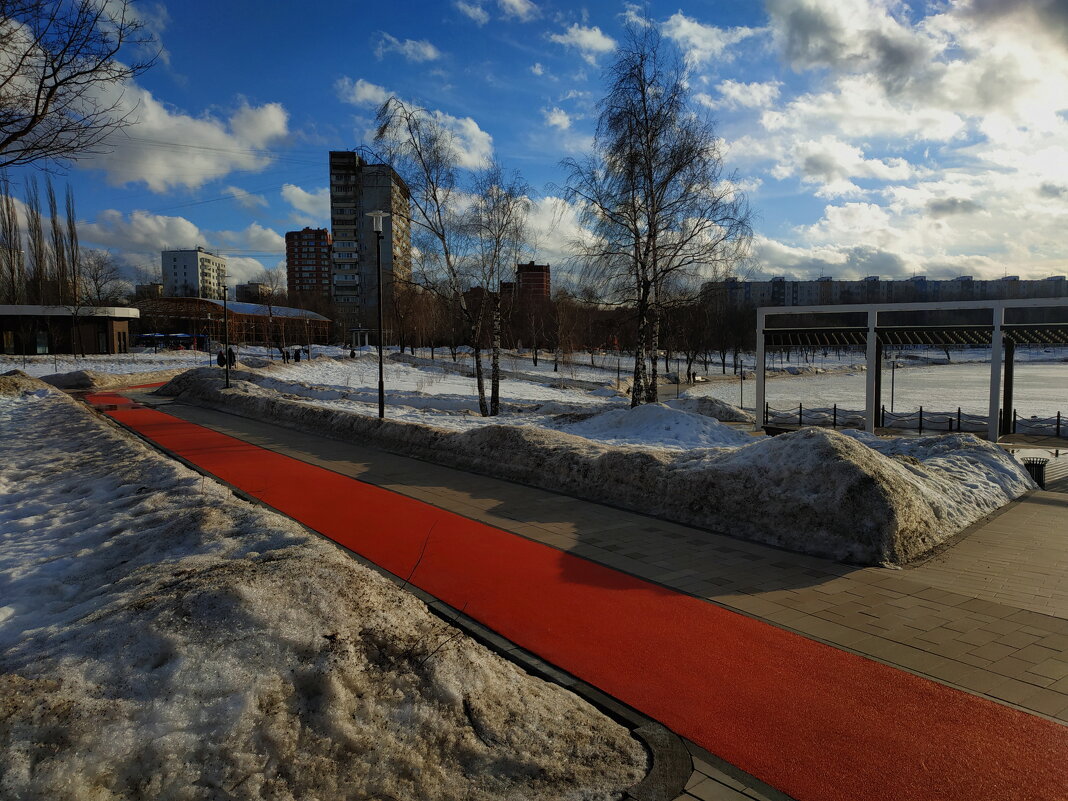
x,y
873,337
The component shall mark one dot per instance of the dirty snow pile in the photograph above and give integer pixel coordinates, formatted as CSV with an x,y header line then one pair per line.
x,y
160,639
816,490
93,379
659,423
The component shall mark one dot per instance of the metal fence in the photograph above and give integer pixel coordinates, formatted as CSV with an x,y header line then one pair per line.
x,y
920,420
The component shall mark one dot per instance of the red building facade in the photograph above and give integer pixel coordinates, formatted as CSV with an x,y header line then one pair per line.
x,y
533,281
308,272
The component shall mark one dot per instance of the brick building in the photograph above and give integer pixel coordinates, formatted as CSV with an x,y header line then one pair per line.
x,y
308,270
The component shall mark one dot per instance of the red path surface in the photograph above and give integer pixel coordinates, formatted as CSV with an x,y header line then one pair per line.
x,y
813,721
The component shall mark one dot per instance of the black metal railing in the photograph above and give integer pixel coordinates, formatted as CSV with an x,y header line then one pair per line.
x,y
920,420
1041,426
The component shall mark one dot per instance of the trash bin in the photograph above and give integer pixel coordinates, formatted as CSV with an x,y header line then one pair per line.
x,y
1036,468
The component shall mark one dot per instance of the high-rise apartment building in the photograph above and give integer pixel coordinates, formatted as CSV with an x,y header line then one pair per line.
x,y
195,273
533,280
308,266
357,188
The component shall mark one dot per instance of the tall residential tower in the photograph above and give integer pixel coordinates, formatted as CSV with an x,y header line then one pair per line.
x,y
357,188
308,268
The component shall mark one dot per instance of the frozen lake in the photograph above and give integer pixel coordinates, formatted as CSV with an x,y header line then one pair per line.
x,y
1040,389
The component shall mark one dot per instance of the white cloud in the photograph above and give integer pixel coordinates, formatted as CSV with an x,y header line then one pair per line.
x,y
138,238
242,269
557,118
831,163
472,11
591,42
360,92
412,50
255,238
165,148
858,107
537,69
523,10
553,225
703,43
245,199
474,147
735,94
141,231
314,204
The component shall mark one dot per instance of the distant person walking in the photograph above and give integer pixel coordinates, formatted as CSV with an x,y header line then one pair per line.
x,y
231,359
296,355
352,353
221,359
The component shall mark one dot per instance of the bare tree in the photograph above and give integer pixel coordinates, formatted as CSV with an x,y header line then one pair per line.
x,y
12,261
99,281
61,78
274,279
498,222
36,248
653,194
425,154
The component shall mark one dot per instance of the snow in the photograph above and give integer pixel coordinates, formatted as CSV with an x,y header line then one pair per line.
x,y
816,491
1041,388
660,424
159,638
586,426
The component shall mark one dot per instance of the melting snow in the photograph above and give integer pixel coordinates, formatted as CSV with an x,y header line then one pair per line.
x,y
160,639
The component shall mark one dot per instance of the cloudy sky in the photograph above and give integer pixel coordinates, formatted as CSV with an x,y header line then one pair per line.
x,y
874,137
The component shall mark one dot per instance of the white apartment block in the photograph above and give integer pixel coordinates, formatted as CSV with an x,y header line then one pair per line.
x,y
195,273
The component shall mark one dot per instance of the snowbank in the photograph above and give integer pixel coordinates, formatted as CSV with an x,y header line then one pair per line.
x,y
670,427
815,490
712,407
558,380
91,379
160,639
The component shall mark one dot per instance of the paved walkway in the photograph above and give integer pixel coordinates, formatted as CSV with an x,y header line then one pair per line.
x,y
988,615
969,617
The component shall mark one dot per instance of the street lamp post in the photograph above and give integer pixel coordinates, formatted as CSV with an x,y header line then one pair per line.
x,y
226,334
377,217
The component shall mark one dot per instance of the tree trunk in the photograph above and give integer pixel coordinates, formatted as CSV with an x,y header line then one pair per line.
x,y
495,359
654,346
480,380
637,389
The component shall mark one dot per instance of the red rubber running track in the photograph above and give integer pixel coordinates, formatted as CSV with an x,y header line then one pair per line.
x,y
816,722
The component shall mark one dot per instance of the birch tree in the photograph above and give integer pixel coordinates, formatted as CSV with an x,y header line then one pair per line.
x,y
653,194
425,153
498,224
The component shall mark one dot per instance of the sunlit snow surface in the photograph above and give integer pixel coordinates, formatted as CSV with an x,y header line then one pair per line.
x,y
160,639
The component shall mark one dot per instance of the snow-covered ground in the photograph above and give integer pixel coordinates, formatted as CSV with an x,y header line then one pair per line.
x,y
817,491
1041,388
161,639
439,396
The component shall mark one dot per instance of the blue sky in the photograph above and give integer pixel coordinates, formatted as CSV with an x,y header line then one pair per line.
x,y
873,137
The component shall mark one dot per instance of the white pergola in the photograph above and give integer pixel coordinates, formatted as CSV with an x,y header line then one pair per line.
x,y
993,322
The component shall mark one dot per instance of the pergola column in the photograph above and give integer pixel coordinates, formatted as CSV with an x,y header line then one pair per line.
x,y
758,415
1009,348
996,343
871,383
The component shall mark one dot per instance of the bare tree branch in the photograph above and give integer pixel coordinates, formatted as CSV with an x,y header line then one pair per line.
x,y
653,194
61,78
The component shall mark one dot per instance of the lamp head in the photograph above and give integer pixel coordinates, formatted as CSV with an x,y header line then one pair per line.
x,y
377,217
